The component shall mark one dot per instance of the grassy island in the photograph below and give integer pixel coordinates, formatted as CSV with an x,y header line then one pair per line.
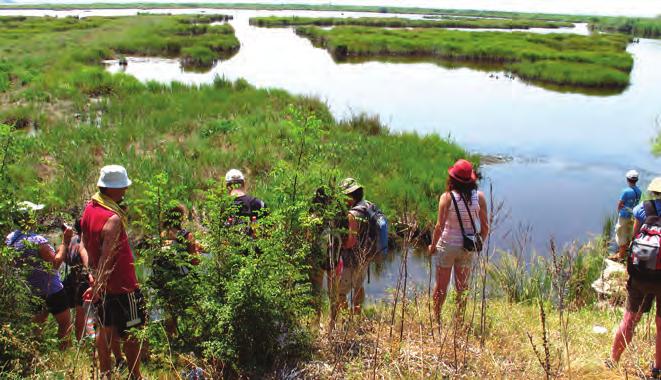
x,y
458,22
599,61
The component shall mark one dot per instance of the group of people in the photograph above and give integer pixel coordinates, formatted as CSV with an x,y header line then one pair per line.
x,y
637,234
100,276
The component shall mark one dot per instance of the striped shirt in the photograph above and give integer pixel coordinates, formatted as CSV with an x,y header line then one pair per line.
x,y
452,231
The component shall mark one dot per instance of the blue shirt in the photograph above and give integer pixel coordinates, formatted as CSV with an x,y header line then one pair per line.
x,y
630,196
44,281
639,211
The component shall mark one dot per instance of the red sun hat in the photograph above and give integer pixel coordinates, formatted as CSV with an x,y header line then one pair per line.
x,y
462,171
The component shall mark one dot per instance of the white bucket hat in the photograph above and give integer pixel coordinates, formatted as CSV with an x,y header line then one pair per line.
x,y
29,206
234,176
114,177
632,175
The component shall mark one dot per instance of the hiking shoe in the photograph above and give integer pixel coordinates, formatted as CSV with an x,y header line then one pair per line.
x,y
616,257
610,363
655,373
120,365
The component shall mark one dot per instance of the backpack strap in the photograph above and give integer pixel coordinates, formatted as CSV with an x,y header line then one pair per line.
x,y
650,209
456,209
468,210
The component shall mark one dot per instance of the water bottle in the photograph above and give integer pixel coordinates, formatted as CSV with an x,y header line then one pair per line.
x,y
90,312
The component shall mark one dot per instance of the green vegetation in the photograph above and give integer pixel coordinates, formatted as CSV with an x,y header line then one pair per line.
x,y
151,127
638,27
599,61
475,23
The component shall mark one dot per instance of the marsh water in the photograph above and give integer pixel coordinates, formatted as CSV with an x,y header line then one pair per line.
x,y
566,151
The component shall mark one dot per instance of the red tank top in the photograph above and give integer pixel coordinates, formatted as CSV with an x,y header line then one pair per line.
x,y
122,278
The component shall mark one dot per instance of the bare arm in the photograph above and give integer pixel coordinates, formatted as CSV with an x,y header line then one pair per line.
x,y
56,258
352,236
636,227
484,216
83,254
443,207
620,205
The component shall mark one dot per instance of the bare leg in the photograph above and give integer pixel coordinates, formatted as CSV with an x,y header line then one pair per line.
x,y
103,341
624,334
79,322
132,349
116,347
63,328
657,354
441,289
358,298
461,281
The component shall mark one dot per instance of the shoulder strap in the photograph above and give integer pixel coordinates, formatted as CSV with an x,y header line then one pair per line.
x,y
650,209
468,210
456,209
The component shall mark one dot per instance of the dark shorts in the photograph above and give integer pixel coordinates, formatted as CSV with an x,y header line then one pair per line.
x,y
75,288
123,311
57,302
640,295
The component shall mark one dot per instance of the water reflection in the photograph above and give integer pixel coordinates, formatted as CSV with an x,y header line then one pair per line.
x,y
571,149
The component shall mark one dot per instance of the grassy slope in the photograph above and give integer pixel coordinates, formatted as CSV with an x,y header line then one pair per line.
x,y
639,27
392,22
594,61
195,134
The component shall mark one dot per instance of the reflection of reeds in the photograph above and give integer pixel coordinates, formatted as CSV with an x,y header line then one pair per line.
x,y
572,60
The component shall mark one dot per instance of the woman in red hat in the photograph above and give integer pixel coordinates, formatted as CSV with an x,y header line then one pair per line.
x,y
461,227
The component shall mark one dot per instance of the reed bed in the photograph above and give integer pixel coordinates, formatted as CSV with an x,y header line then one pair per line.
x,y
455,22
587,61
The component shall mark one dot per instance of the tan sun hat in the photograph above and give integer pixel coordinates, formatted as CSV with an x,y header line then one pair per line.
x,y
655,185
349,185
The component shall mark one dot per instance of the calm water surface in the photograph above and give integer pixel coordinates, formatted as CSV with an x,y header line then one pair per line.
x,y
569,150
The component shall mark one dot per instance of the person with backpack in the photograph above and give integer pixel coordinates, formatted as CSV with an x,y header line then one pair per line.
x,y
629,198
76,280
461,227
248,208
173,264
42,261
366,235
644,282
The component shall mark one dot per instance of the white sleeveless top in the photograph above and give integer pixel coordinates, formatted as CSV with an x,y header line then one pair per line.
x,y
452,231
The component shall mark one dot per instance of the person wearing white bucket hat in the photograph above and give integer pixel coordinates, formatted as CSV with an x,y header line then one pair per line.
x,y
248,208
642,288
629,198
113,283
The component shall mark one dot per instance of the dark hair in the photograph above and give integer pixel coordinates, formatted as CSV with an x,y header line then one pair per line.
x,y
357,195
77,226
465,189
103,190
174,217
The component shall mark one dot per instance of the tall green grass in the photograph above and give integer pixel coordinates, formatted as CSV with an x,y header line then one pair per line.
x,y
638,27
193,133
275,21
588,61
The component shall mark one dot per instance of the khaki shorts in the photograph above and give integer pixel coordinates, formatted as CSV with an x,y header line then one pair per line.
x,y
448,256
623,231
352,279
640,295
